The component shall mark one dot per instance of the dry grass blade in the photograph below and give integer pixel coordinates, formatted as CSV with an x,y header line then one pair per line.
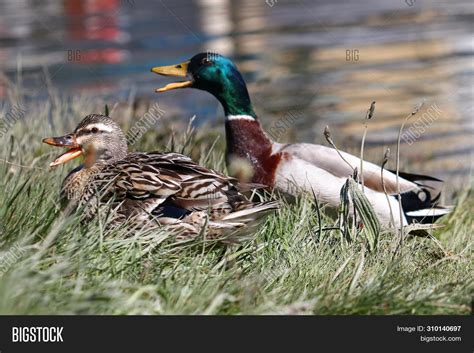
x,y
414,112
385,160
368,116
358,272
327,135
340,269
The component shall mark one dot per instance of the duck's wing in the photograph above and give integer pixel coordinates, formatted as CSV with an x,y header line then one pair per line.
x,y
329,160
150,180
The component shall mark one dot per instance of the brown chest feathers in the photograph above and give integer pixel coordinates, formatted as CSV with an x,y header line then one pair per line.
x,y
77,187
246,140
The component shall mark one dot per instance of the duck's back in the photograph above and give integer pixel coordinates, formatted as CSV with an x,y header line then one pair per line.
x,y
156,181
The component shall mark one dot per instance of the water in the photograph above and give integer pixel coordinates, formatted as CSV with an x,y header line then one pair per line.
x,y
321,62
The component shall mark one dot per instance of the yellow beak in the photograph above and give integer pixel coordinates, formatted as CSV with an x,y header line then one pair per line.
x,y
179,70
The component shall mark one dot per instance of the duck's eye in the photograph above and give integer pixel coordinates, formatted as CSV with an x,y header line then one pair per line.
x,y
94,130
206,61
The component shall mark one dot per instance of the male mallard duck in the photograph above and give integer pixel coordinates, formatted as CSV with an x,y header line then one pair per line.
x,y
310,167
150,188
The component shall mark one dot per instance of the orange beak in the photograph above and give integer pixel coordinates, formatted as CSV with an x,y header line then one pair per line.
x,y
68,141
179,70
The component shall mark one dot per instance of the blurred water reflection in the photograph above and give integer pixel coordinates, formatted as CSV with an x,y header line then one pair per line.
x,y
326,60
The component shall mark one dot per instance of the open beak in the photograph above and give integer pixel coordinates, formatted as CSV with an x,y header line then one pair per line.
x,y
179,70
68,141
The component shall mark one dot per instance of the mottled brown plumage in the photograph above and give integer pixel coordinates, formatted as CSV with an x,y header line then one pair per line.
x,y
154,188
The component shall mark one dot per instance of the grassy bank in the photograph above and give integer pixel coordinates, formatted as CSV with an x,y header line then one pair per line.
x,y
54,264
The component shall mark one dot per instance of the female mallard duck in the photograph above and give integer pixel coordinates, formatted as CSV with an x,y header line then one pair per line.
x,y
150,188
312,168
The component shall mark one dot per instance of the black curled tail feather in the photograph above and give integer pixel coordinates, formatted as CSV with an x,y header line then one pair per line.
x,y
415,177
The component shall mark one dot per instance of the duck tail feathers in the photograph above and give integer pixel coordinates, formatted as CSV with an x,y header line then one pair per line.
x,y
254,212
423,204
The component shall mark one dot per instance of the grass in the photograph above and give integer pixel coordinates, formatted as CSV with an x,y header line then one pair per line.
x,y
51,264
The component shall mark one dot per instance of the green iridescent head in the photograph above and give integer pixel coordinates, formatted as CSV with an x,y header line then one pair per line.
x,y
215,74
